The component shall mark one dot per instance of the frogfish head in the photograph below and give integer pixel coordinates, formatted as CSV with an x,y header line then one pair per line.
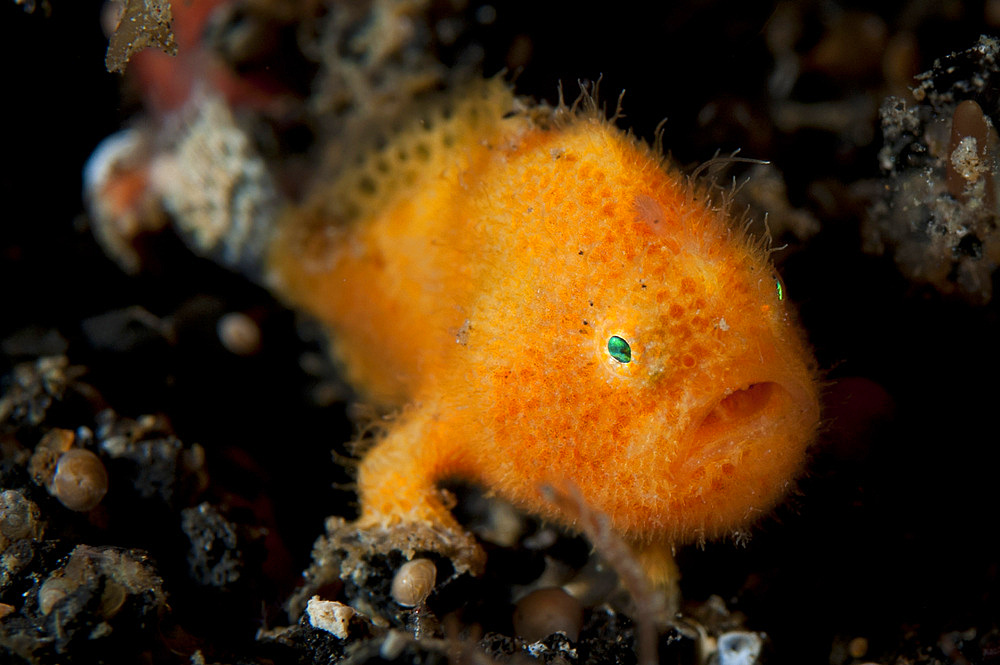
x,y
670,382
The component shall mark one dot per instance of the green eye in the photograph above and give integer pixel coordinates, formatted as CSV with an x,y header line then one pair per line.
x,y
619,349
779,288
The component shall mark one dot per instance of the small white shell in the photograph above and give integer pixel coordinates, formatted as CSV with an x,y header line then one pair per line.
x,y
239,333
414,582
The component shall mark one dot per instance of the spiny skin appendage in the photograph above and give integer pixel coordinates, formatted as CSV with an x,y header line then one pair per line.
x,y
472,273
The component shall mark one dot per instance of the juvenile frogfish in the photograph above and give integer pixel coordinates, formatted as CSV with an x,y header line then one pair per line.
x,y
542,301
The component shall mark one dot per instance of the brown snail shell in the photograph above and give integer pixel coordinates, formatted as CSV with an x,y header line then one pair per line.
x,y
80,480
414,582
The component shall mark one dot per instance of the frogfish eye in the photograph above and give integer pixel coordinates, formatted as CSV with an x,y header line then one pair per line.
x,y
619,349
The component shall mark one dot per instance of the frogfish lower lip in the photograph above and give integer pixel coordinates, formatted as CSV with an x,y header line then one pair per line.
x,y
742,449
776,412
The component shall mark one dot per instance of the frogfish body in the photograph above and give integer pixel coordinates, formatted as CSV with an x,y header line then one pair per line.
x,y
542,301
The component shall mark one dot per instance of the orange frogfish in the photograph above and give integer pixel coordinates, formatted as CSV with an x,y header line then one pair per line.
x,y
542,301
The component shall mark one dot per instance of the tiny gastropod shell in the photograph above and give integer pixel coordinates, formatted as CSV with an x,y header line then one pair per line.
x,y
414,582
80,480
52,591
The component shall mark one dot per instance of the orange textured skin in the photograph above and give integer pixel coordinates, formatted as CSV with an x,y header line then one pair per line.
x,y
471,273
